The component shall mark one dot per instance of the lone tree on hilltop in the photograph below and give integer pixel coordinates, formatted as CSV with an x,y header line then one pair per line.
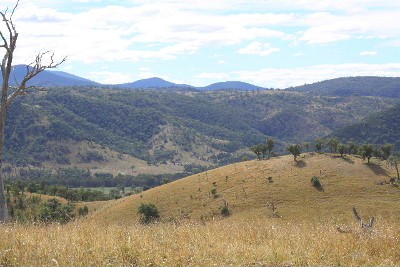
x,y
8,42
295,149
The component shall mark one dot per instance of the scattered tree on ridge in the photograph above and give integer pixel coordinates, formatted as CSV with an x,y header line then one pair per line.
x,y
318,145
307,146
352,147
367,150
386,150
394,160
295,149
270,146
260,150
8,41
333,144
342,149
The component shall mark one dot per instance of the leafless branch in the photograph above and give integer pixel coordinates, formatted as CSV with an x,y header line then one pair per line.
x,y
32,70
358,217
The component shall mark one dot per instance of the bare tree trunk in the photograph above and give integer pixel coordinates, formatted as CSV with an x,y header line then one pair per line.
x,y
8,41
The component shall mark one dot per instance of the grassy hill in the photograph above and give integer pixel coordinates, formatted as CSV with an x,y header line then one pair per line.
x,y
347,182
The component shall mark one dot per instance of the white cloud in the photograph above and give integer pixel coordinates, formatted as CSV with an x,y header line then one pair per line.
x,y
257,48
368,53
109,77
283,78
217,76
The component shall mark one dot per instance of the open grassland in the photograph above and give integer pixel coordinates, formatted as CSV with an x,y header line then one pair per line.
x,y
221,243
245,187
309,227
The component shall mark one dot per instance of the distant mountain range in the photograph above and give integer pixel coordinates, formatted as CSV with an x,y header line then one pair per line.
x,y
50,78
347,86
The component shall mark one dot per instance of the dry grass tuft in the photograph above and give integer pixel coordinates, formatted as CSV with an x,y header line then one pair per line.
x,y
222,243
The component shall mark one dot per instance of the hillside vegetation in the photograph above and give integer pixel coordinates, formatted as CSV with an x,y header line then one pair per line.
x,y
249,193
379,128
309,227
85,127
357,86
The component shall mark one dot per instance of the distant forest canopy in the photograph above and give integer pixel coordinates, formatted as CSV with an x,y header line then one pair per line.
x,y
353,86
160,125
50,132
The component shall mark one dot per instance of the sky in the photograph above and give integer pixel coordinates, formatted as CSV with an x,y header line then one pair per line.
x,y
269,43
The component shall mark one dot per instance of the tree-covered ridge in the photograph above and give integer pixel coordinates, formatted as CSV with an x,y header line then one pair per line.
x,y
361,86
170,126
379,128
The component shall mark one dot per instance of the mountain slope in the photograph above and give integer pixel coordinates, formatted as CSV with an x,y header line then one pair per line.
x,y
245,188
361,86
231,85
49,78
379,128
151,83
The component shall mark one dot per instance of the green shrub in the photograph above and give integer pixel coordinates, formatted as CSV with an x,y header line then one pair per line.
x,y
148,213
316,182
214,192
225,211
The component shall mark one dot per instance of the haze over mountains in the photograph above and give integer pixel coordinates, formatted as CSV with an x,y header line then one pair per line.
x,y
345,86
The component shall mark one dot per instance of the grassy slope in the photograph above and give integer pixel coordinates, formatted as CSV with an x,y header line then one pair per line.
x,y
346,182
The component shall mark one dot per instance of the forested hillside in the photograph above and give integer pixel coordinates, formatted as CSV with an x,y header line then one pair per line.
x,y
358,86
163,126
380,128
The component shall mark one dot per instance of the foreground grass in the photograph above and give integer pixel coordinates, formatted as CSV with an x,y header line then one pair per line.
x,y
221,243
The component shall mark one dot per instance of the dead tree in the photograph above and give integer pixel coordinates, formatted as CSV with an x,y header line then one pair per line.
x,y
8,42
360,220
363,225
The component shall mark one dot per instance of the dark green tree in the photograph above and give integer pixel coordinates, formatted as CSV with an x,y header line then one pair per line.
x,y
342,149
307,146
295,149
260,150
319,143
386,150
148,213
352,148
270,146
333,144
367,150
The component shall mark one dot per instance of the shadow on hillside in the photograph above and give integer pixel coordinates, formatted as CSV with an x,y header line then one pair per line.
x,y
301,164
378,170
349,160
320,188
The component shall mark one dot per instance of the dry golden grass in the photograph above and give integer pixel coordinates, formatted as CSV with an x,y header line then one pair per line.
x,y
221,243
303,231
347,182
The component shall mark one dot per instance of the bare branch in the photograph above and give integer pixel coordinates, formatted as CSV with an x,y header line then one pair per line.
x,y
358,217
32,70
